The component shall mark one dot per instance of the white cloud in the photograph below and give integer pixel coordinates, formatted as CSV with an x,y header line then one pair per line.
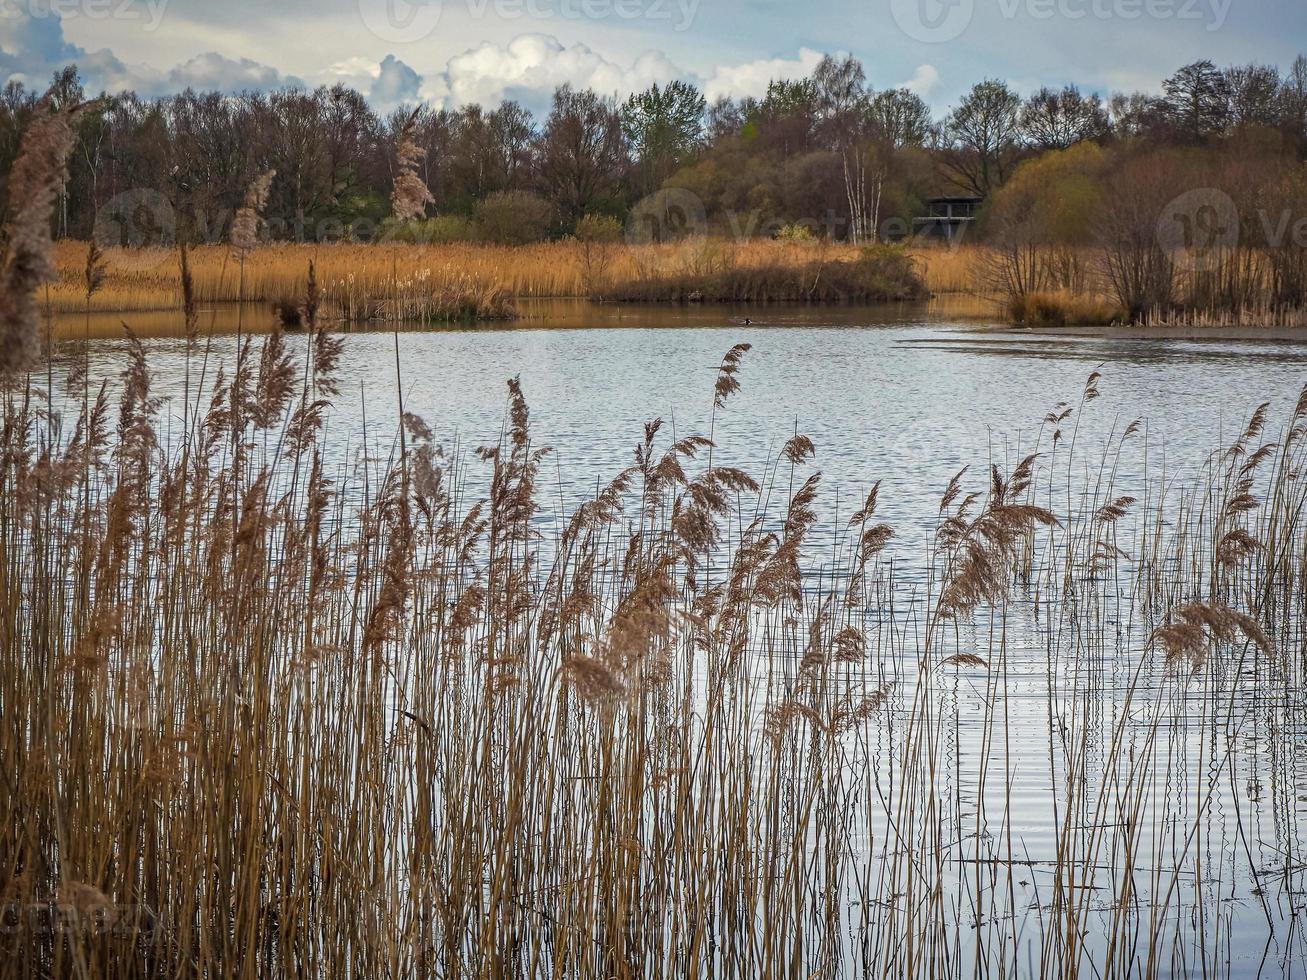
x,y
32,48
527,68
214,72
354,70
531,66
923,82
1132,80
751,79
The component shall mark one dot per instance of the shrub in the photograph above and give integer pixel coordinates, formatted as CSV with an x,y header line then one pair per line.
x,y
879,274
1037,221
602,229
1062,310
444,229
801,234
596,237
514,218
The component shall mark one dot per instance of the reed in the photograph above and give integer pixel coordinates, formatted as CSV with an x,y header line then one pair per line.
x,y
1051,286
875,275
471,281
147,280
1063,309
273,708
39,171
359,278
952,268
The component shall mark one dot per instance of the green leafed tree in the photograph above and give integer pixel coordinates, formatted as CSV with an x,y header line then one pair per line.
x,y
664,125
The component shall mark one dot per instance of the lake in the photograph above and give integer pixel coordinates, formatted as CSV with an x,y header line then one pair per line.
x,y
903,396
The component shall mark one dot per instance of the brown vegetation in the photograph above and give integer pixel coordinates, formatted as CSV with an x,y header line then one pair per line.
x,y
711,275
274,719
39,171
1164,235
356,277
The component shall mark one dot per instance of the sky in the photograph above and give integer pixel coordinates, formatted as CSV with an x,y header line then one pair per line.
x,y
454,52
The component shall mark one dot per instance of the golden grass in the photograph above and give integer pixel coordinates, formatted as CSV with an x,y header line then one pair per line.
x,y
357,282
1064,309
951,268
1257,318
471,280
149,279
875,275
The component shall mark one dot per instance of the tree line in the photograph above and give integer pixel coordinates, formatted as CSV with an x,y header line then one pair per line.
x,y
828,152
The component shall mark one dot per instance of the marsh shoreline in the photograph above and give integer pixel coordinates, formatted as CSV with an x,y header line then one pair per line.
x,y
953,312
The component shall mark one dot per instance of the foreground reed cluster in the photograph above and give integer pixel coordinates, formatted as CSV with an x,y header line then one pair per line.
x,y
269,711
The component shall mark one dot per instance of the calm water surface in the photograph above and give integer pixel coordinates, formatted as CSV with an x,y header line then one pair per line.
x,y
900,396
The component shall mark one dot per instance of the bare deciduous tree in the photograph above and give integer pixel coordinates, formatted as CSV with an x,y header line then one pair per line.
x,y
982,137
581,154
1053,120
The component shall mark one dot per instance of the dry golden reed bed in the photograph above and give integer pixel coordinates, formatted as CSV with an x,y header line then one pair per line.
x,y
149,279
468,281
